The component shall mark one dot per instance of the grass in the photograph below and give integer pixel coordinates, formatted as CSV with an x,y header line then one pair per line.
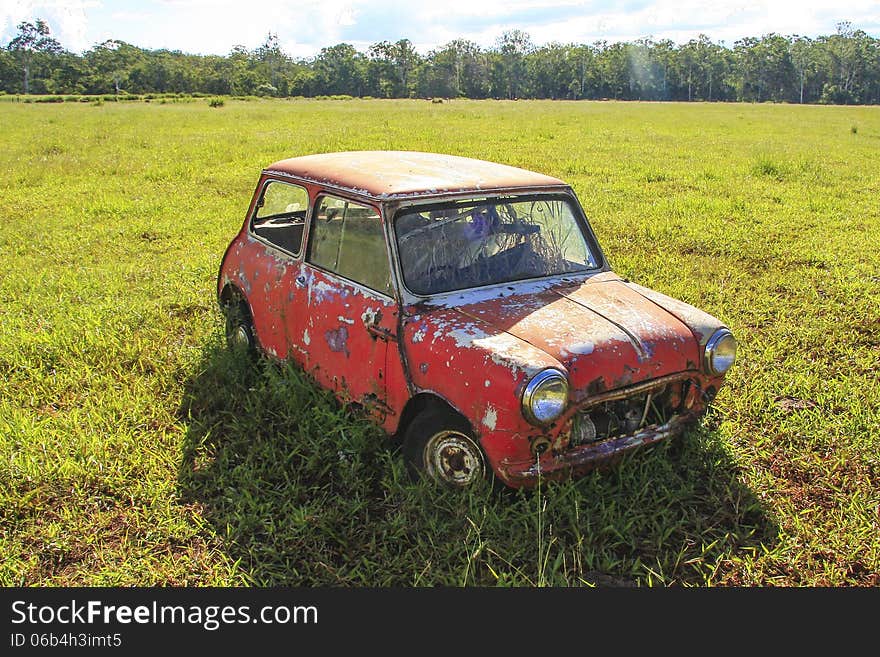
x,y
135,450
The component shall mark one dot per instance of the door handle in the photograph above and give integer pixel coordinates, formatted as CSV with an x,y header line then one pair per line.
x,y
381,332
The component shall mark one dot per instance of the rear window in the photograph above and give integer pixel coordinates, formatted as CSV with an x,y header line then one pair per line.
x,y
281,214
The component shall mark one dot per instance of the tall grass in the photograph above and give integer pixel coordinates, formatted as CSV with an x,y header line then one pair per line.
x,y
135,450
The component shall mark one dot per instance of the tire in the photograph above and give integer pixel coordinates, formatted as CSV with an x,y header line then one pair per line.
x,y
440,446
240,327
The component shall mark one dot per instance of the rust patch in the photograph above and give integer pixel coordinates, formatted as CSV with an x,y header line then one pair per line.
x,y
399,174
596,386
337,340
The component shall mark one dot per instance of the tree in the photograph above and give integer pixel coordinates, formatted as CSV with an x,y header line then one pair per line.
x,y
302,82
801,51
439,75
390,67
243,79
872,72
459,68
777,70
340,69
381,74
663,53
32,39
471,68
271,60
110,65
703,67
850,58
215,75
66,74
513,46
551,70
841,68
612,66
8,70
765,68
646,74
405,59
583,85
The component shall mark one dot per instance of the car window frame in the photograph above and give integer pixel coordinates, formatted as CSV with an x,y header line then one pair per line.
x,y
379,210
306,219
520,195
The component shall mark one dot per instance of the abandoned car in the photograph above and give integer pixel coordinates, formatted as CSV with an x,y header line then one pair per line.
x,y
468,308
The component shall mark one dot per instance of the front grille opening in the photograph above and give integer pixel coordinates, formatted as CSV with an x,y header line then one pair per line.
x,y
623,417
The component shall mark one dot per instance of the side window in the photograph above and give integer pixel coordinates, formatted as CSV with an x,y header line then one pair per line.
x,y
281,215
347,238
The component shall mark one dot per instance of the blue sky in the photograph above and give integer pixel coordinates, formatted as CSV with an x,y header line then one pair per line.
x,y
305,26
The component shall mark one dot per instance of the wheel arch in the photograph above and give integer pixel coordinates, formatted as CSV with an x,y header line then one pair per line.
x,y
232,293
421,402
229,293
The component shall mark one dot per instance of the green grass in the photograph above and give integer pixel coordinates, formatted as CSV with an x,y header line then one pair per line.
x,y
135,450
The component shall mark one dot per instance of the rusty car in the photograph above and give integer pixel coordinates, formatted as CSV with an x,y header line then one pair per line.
x,y
467,307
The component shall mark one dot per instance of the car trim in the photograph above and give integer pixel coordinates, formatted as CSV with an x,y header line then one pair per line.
x,y
360,286
583,458
252,214
357,284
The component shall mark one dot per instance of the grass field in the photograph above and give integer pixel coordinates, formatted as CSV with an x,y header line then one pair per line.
x,y
135,450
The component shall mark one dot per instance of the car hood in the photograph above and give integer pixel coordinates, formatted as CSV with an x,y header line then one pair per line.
x,y
602,331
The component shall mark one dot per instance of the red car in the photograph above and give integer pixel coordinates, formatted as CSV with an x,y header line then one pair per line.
x,y
468,307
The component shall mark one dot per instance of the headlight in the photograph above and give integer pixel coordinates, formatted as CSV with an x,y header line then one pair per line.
x,y
720,352
545,397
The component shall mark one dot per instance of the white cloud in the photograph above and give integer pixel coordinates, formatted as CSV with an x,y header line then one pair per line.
x,y
66,18
305,26
680,20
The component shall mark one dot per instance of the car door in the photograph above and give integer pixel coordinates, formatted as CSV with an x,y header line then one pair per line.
x,y
276,282
352,314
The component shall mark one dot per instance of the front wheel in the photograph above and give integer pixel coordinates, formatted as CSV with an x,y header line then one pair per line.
x,y
440,445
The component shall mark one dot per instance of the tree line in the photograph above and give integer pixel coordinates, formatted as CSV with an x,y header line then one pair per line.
x,y
843,68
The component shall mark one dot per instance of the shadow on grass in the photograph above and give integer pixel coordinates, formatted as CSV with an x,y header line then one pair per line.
x,y
299,491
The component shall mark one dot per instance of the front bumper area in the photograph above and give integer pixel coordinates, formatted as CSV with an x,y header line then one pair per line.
x,y
581,459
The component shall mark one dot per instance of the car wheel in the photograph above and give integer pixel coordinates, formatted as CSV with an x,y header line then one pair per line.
x,y
439,445
240,327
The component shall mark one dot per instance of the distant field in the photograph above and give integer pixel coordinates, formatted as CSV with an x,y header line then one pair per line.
x,y
134,450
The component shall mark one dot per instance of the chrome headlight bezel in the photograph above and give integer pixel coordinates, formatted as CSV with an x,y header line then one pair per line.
x,y
541,383
709,355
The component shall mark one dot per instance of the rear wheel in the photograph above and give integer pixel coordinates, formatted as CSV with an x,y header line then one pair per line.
x,y
439,445
239,327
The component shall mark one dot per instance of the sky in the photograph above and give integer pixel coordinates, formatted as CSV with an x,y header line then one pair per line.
x,y
305,26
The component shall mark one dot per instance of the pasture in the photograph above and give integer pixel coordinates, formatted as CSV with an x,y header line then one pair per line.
x,y
134,450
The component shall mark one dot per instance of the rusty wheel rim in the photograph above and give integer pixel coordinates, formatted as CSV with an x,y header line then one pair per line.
x,y
452,458
240,337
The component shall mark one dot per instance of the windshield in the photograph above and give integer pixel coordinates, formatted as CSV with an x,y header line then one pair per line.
x,y
466,244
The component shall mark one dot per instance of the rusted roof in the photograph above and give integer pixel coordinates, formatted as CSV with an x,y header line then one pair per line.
x,y
395,174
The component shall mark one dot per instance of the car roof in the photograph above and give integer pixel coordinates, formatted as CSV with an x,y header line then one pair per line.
x,y
388,175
